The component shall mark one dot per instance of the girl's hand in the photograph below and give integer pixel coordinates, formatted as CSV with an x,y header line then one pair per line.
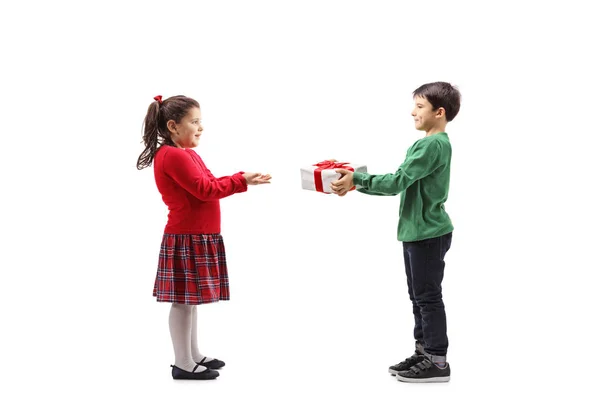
x,y
256,178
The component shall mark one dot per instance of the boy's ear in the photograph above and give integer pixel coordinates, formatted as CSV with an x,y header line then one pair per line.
x,y
440,112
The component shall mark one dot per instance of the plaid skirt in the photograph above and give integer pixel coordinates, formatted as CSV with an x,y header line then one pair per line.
x,y
191,269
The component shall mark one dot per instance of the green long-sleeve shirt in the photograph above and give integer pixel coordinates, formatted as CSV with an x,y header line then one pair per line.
x,y
424,180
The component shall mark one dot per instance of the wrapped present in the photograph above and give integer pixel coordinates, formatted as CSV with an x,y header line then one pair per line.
x,y
319,176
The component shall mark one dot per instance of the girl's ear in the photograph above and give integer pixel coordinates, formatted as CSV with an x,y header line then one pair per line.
x,y
172,126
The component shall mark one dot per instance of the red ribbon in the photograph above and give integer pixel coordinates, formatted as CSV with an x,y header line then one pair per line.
x,y
158,98
327,164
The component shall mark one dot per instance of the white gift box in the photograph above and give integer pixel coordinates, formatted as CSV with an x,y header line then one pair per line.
x,y
318,177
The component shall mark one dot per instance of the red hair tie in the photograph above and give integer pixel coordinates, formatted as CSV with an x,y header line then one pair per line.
x,y
158,98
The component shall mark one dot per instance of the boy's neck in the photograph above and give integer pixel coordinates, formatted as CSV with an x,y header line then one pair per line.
x,y
431,133
435,130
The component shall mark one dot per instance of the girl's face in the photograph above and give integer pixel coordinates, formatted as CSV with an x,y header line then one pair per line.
x,y
186,133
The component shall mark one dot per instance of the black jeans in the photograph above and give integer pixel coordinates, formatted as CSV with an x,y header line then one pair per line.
x,y
424,263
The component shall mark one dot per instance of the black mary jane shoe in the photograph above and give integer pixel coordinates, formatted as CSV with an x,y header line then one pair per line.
x,y
179,373
213,364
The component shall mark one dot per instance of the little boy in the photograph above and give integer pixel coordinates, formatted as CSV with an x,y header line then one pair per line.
x,y
424,227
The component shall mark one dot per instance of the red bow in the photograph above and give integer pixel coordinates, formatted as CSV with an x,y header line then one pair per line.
x,y
327,164
158,98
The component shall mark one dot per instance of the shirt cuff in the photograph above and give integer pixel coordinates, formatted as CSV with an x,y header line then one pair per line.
x,y
360,178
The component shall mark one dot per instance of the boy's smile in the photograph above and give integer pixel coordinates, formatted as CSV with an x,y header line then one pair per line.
x,y
426,119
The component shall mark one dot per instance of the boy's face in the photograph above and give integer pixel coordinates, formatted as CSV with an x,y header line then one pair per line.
x,y
424,115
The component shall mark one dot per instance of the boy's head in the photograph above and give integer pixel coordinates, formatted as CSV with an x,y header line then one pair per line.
x,y
441,95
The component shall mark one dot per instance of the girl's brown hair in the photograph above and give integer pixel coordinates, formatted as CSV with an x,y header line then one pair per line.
x,y
156,133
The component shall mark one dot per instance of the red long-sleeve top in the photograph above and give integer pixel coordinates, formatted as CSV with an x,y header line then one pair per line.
x,y
191,192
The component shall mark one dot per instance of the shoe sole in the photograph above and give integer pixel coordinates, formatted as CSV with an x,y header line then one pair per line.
x,y
423,380
196,379
199,376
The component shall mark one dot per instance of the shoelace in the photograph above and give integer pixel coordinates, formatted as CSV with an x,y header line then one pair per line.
x,y
422,366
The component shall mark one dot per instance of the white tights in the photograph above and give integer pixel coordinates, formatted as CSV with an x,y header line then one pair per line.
x,y
183,325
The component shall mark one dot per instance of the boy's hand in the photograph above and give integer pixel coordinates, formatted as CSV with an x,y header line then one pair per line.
x,y
255,178
344,184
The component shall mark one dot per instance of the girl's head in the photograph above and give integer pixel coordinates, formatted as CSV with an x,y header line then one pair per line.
x,y
175,121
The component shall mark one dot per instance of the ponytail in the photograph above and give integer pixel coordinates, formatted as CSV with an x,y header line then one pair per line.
x,y
150,136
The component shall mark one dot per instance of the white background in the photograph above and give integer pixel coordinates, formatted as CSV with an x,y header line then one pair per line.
x,y
319,305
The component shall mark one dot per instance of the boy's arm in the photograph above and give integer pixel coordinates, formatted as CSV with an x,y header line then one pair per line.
x,y
365,191
422,161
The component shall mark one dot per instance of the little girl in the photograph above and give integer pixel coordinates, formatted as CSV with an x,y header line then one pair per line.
x,y
192,268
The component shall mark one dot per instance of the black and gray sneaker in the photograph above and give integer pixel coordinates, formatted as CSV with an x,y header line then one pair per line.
x,y
425,371
406,364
